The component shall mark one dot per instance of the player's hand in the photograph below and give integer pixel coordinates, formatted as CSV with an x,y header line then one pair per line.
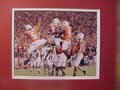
x,y
39,22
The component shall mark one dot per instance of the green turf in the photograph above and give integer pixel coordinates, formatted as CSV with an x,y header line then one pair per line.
x,y
91,71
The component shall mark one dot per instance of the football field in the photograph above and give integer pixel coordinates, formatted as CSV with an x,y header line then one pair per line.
x,y
90,70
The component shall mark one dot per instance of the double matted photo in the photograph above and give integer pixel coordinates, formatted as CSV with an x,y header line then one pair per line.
x,y
55,43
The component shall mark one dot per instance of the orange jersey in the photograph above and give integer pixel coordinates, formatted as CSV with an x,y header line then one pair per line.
x,y
67,33
33,33
75,47
82,47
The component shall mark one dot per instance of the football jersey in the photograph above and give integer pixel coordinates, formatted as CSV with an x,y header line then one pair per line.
x,y
67,33
82,47
54,27
33,33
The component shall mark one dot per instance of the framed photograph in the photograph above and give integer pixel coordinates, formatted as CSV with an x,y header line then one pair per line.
x,y
51,45
55,43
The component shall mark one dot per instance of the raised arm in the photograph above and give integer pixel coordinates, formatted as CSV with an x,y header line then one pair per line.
x,y
39,22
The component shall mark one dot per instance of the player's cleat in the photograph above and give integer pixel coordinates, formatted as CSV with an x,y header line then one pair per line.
x,y
63,73
74,74
39,72
84,73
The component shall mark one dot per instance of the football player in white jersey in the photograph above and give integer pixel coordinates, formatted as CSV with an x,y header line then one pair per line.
x,y
54,60
34,35
49,63
55,25
45,52
38,61
54,28
60,63
57,41
32,62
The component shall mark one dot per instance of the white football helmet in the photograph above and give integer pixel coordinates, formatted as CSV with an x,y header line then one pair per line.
x,y
80,37
56,21
28,26
65,23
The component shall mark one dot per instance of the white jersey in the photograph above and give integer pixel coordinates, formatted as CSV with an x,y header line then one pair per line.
x,y
49,60
61,60
57,41
32,62
39,55
54,58
45,51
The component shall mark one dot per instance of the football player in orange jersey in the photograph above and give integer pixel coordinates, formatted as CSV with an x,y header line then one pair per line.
x,y
66,35
34,35
79,58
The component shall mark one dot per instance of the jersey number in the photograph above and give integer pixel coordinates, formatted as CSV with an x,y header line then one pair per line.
x,y
33,34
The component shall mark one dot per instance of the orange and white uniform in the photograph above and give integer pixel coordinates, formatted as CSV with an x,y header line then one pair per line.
x,y
67,38
35,38
33,33
67,33
80,53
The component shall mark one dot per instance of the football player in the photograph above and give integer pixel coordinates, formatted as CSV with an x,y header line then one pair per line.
x,y
79,58
66,35
34,35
